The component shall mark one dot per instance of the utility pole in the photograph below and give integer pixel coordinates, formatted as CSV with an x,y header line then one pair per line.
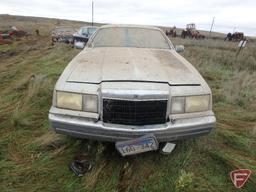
x,y
92,12
234,29
211,26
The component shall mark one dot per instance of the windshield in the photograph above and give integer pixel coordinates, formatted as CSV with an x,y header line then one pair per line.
x,y
83,31
130,37
91,30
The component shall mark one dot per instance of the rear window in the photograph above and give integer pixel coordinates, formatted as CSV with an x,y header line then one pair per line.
x,y
130,37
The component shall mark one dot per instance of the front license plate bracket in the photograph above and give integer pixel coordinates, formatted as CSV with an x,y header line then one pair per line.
x,y
139,145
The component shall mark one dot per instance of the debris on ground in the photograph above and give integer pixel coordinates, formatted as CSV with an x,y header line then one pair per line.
x,y
3,40
63,34
7,35
81,164
167,148
37,32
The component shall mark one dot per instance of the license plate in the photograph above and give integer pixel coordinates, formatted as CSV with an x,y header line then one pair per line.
x,y
138,145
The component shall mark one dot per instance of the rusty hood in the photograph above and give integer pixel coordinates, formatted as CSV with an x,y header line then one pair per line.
x,y
96,65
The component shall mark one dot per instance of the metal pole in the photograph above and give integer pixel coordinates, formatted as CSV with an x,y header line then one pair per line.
x,y
234,29
92,12
211,26
241,46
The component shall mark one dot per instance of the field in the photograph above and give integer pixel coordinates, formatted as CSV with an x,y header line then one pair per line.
x,y
33,158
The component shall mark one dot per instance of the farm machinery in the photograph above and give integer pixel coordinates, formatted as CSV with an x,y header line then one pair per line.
x,y
191,32
6,36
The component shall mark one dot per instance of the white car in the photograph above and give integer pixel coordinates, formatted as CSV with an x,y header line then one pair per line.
x,y
128,82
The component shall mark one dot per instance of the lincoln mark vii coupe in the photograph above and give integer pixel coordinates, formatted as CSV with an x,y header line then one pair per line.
x,y
130,81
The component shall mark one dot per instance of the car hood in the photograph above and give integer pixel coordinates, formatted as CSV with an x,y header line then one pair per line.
x,y
96,65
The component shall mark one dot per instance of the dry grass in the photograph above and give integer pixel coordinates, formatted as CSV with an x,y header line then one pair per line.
x,y
32,158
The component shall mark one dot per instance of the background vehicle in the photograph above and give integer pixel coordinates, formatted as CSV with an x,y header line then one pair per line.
x,y
83,35
63,34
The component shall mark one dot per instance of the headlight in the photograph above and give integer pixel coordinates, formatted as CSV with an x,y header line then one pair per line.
x,y
197,103
190,104
91,103
76,101
69,100
178,105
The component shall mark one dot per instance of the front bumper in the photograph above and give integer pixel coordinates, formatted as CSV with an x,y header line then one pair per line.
x,y
83,128
80,39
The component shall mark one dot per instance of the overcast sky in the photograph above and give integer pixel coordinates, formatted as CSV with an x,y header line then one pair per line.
x,y
229,14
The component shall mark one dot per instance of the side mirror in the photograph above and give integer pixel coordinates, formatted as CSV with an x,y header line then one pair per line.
x,y
179,48
79,45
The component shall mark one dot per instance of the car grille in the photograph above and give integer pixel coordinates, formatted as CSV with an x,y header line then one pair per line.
x,y
134,112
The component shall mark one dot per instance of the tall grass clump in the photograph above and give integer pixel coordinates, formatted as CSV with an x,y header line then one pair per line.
x,y
35,97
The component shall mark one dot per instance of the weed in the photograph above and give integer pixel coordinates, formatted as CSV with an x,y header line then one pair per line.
x,y
184,181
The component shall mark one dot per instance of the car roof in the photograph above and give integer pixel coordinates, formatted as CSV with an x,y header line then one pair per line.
x,y
90,27
131,26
